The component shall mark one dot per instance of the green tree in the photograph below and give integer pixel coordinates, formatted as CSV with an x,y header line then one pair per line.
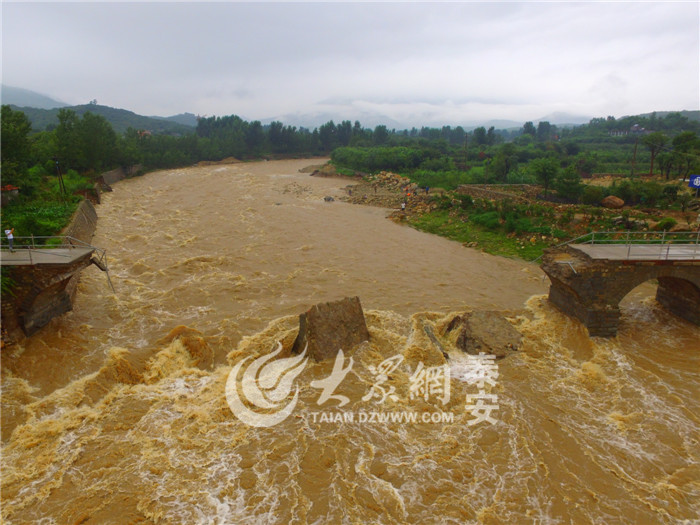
x,y
586,163
544,131
545,170
654,142
381,135
15,145
87,144
344,133
491,137
529,129
275,136
129,152
328,135
255,139
505,160
480,136
686,146
98,142
665,161
568,184
68,139
592,195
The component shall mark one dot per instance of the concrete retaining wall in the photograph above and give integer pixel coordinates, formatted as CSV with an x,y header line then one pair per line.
x,y
81,227
110,177
83,224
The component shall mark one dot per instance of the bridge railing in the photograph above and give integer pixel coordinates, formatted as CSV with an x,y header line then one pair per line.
x,y
635,240
42,244
33,245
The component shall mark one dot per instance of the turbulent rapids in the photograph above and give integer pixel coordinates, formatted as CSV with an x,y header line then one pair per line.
x,y
117,412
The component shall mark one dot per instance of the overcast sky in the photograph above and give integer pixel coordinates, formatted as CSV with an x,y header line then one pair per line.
x,y
415,63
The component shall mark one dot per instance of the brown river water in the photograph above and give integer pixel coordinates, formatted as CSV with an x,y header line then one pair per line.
x,y
118,411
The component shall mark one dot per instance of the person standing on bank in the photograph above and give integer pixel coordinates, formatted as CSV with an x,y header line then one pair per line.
x,y
10,238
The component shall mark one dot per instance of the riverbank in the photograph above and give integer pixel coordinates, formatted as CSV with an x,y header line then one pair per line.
x,y
433,211
504,220
118,411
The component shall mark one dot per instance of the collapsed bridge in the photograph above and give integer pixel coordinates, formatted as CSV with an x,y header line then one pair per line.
x,y
44,272
592,274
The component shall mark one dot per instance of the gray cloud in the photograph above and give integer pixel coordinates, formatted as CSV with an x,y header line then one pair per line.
x,y
446,62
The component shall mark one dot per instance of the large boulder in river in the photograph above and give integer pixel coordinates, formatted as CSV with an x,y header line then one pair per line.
x,y
612,202
329,327
485,331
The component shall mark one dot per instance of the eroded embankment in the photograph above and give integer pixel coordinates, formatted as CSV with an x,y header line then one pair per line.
x,y
120,411
41,293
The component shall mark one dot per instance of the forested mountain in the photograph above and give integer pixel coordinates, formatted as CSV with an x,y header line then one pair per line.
x,y
120,119
690,115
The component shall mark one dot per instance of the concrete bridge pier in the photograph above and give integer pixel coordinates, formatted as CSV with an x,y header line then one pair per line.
x,y
600,317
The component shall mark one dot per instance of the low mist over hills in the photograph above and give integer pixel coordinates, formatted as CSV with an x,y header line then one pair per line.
x,y
26,98
120,119
42,111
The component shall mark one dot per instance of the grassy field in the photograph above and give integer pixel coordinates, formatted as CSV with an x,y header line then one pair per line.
x,y
441,223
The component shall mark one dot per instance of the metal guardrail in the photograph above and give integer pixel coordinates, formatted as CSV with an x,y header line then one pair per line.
x,y
630,237
634,240
46,244
664,240
43,244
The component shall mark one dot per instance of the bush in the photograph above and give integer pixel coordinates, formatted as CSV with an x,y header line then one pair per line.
x,y
566,217
42,219
592,195
438,164
379,158
488,220
443,202
671,193
651,192
568,184
521,225
626,191
465,201
665,224
72,181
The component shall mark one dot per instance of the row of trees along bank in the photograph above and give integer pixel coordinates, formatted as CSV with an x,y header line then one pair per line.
x,y
555,157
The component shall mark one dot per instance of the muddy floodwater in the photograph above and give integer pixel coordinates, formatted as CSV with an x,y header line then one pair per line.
x,y
119,411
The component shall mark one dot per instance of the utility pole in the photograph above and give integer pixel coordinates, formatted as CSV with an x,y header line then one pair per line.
x,y
61,185
466,147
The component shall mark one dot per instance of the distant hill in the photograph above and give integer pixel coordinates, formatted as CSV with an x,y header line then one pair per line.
x,y
690,115
314,120
186,119
120,119
26,98
498,124
563,119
